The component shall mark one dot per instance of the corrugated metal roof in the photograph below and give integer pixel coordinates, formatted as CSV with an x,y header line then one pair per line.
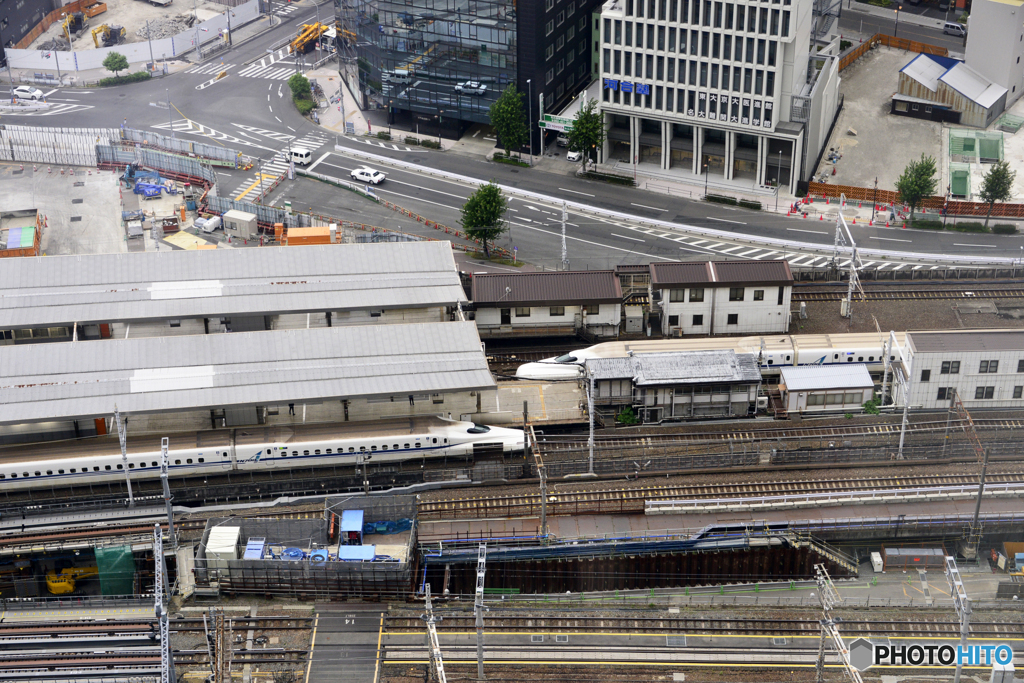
x,y
691,367
59,290
812,377
973,85
568,287
720,272
972,340
926,71
85,379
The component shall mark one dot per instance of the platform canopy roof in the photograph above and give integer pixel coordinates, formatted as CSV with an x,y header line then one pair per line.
x,y
826,377
169,285
85,379
679,367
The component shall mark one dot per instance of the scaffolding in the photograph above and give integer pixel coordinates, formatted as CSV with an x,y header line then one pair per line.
x,y
959,179
1009,123
975,146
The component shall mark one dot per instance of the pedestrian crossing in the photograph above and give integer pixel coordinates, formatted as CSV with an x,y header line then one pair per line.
x,y
270,172
265,67
283,9
380,143
211,68
54,110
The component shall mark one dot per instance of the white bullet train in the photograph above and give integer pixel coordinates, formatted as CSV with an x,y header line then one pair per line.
x,y
263,448
805,349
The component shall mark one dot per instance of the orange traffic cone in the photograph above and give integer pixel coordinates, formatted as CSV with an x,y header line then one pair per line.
x,y
821,217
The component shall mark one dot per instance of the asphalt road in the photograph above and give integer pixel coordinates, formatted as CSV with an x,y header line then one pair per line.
x,y
250,111
852,20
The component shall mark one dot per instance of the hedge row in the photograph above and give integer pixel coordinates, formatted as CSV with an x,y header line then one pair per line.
x,y
964,226
129,78
609,178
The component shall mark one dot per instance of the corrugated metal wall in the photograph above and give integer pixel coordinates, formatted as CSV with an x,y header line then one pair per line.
x,y
57,146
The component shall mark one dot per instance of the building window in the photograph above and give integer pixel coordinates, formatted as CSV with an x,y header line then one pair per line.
x,y
1018,392
735,294
592,309
926,375
677,295
550,52
561,43
758,295
561,66
698,320
782,293
984,392
550,5
523,312
913,107
697,295
950,367
901,106
618,27
550,28
989,366
673,321
556,311
946,393
550,76
1020,366
733,319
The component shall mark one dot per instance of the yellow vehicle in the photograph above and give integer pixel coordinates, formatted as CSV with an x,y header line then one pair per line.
x,y
307,38
110,35
74,24
64,582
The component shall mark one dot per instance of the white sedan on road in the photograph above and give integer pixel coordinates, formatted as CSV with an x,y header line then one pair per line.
x,y
366,174
27,92
471,88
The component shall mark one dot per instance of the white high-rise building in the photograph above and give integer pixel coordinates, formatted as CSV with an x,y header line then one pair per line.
x,y
995,44
732,89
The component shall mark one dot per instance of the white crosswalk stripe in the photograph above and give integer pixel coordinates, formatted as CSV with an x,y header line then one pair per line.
x,y
212,68
273,135
385,145
270,73
54,110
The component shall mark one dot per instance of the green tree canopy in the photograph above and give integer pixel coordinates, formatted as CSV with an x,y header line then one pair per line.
x,y
997,186
509,119
917,182
483,214
115,61
299,86
587,134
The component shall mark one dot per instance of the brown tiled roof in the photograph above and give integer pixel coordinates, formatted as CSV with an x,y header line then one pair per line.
x,y
720,272
558,288
673,273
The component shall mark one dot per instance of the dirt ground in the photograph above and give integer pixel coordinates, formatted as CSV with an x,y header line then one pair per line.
x,y
884,143
942,314
132,15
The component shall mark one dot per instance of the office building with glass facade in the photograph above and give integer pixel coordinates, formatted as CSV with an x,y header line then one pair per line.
x,y
440,64
731,89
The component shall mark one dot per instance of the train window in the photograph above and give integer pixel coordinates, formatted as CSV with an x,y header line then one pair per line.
x,y
316,452
835,356
120,467
72,470
892,357
329,451
14,475
788,358
24,474
849,359
177,462
305,452
478,429
3,476
406,445
384,447
94,469
295,452
362,449
284,454
155,465
58,472
39,474
49,471
871,358
567,358
860,359
202,459
131,466
771,362
106,467
435,440
373,448
351,449
188,461
396,447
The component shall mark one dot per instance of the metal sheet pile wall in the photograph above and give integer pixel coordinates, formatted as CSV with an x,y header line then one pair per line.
x,y
157,161
57,146
180,145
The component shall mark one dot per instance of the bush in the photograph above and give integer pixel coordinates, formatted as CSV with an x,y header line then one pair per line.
x,y
969,226
626,417
411,141
304,106
1004,229
844,45
432,144
128,78
926,224
720,199
610,178
871,407
384,135
299,85
502,159
750,204
880,3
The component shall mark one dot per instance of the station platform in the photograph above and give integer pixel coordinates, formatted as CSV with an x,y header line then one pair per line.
x,y
547,403
78,613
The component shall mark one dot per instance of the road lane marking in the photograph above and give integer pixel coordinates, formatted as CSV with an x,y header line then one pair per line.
x,y
635,239
596,244
644,206
887,239
813,232
575,192
987,246
725,220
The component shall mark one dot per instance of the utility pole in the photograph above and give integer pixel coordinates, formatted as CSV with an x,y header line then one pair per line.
x,y
828,597
478,609
167,491
122,437
962,605
904,381
199,43
845,238
565,256
590,414
149,36
433,645
166,658
974,539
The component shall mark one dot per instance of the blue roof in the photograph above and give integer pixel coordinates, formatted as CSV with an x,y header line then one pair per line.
x,y
357,553
352,520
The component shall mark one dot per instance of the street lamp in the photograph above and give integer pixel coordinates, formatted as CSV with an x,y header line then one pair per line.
x,y
874,200
7,60
440,113
170,119
705,180
945,208
391,104
897,26
778,183
529,85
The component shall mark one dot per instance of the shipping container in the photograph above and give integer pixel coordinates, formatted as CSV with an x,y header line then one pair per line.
x,y
306,236
222,545
897,559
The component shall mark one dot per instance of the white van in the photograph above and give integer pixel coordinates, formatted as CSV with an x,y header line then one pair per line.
x,y
398,76
300,156
210,224
954,29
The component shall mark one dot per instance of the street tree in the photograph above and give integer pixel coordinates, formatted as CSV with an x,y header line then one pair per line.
x,y
483,215
509,119
997,186
917,182
587,134
299,85
115,61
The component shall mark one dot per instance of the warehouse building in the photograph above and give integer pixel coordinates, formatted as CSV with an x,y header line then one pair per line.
x,y
944,89
722,297
985,368
675,386
821,388
544,304
160,294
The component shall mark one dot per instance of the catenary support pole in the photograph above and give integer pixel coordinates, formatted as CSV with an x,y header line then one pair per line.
x,y
122,436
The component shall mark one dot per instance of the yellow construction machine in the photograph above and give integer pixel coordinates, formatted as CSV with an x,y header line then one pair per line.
x,y
307,38
64,582
108,35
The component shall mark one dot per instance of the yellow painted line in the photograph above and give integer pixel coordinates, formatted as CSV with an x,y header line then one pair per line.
x,y
312,644
543,408
380,637
254,184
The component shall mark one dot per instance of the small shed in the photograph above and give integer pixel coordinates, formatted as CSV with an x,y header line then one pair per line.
x,y
821,388
240,225
913,558
357,553
351,527
222,545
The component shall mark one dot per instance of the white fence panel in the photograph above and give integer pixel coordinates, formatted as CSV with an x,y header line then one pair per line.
x,y
57,146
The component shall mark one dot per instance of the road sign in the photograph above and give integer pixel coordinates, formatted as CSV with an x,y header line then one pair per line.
x,y
550,122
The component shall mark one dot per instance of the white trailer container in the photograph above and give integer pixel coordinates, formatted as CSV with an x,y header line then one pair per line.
x,y
222,545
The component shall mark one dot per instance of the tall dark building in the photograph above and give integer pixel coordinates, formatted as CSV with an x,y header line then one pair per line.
x,y
440,64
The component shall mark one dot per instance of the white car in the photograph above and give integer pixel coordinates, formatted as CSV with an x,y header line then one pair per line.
x,y
471,88
27,92
367,175
573,156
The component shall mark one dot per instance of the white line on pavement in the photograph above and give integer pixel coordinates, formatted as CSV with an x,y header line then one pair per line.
x,y
575,192
635,239
596,244
644,206
987,246
813,232
887,239
725,220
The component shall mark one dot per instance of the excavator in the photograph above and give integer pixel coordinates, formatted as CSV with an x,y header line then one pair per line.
x,y
74,25
110,35
63,582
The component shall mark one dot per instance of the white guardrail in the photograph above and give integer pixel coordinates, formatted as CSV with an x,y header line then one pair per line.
x,y
799,500
910,258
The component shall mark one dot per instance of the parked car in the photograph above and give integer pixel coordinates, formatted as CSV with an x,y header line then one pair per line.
x,y
366,174
471,88
27,92
562,140
573,156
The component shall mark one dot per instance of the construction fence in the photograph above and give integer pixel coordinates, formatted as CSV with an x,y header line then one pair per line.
x,y
213,153
891,197
57,146
890,41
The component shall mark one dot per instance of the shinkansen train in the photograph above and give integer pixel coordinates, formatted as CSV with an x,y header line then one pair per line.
x,y
773,350
254,448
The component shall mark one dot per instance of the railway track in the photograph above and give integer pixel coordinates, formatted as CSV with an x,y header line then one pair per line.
x,y
633,499
143,626
792,627
905,294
